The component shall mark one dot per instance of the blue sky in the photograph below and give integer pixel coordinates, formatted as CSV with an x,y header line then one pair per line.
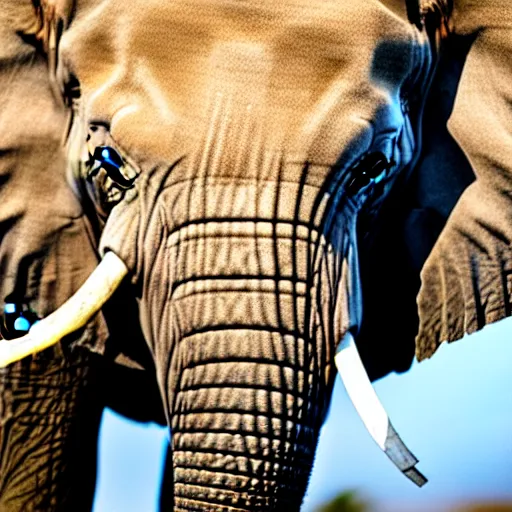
x,y
453,411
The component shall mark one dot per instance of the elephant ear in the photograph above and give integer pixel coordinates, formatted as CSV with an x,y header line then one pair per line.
x,y
48,233
47,248
467,279
417,214
438,265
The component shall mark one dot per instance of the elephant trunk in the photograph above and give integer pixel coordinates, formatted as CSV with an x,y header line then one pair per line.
x,y
246,416
238,306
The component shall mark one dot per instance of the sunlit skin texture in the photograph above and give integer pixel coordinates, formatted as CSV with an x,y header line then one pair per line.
x,y
246,121
244,118
302,75
240,253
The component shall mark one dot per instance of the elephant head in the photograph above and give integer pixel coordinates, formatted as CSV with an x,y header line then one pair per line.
x,y
252,171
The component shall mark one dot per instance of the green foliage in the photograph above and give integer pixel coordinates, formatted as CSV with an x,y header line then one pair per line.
x,y
345,502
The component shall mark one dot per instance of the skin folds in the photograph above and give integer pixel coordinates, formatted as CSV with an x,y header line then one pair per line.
x,y
249,130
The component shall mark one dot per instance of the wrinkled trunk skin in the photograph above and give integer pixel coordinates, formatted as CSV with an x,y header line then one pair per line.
x,y
243,337
49,423
245,426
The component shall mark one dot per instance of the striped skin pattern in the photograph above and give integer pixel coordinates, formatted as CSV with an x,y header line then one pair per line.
x,y
245,123
238,226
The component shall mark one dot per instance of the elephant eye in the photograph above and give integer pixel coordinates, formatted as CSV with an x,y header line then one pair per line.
x,y
376,165
17,320
372,168
108,159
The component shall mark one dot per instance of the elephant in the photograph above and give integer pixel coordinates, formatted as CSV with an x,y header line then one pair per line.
x,y
207,207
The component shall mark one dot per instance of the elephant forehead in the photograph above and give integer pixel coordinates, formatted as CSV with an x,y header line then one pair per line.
x,y
158,72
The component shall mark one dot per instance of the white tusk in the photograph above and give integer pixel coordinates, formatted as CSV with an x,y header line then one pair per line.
x,y
72,315
358,385
374,416
360,390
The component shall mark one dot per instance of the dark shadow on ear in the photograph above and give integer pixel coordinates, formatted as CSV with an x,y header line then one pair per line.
x,y
408,226
466,281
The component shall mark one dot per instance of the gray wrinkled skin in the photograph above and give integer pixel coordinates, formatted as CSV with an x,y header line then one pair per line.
x,y
245,125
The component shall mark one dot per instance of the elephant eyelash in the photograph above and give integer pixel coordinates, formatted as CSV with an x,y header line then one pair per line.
x,y
371,169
